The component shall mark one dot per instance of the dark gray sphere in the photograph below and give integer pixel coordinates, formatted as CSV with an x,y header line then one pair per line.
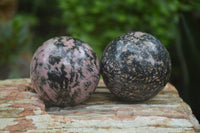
x,y
135,66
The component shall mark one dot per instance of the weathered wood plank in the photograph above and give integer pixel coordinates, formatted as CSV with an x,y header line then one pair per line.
x,y
22,111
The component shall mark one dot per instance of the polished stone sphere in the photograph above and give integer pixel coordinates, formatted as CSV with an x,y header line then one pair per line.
x,y
64,71
135,66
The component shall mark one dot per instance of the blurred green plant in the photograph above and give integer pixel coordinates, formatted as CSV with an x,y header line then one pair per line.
x,y
46,17
98,22
14,37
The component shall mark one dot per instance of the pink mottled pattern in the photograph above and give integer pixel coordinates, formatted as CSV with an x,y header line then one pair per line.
x,y
64,71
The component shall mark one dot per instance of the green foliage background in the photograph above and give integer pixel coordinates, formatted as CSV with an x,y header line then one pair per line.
x,y
14,36
174,22
98,22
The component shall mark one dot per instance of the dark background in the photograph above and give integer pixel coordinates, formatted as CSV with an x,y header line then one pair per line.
x,y
25,25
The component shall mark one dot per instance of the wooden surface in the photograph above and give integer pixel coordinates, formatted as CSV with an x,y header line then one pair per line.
x,y
22,111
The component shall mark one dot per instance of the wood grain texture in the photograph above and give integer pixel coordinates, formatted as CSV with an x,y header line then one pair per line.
x,y
22,111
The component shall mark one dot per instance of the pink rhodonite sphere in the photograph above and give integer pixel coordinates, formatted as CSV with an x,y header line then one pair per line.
x,y
64,71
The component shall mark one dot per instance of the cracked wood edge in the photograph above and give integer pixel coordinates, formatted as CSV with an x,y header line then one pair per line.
x,y
30,115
